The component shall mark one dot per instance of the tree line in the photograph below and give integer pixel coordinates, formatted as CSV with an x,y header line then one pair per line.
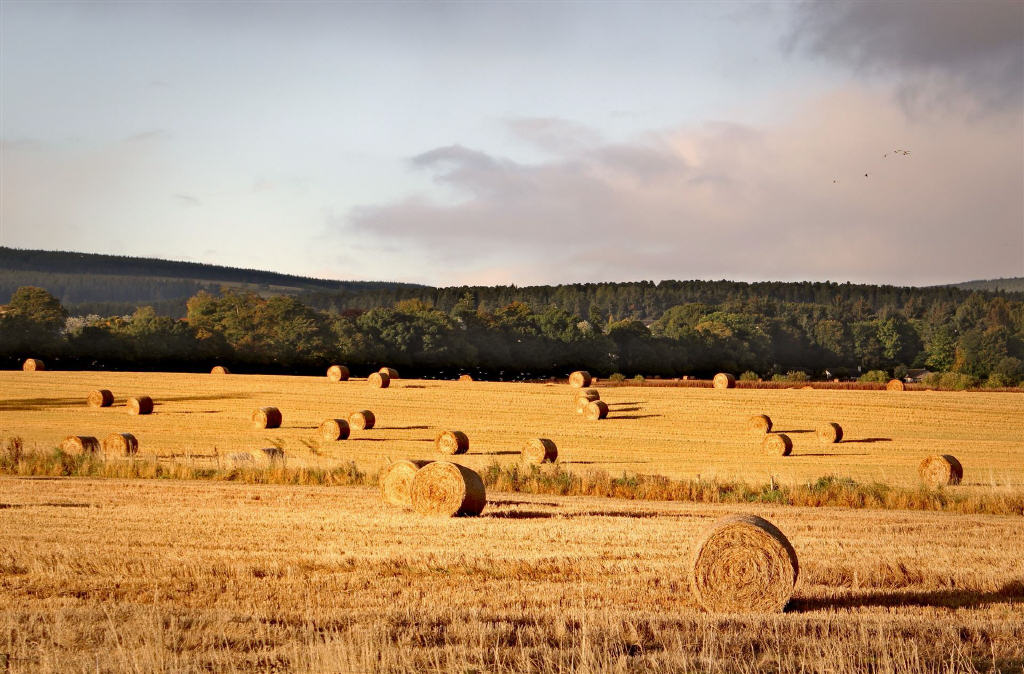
x,y
980,337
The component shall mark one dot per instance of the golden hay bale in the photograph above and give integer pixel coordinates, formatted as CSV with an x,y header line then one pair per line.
x,y
273,456
941,470
33,365
363,420
540,450
140,405
581,404
80,444
334,429
396,481
895,385
452,442
391,372
777,443
465,377
220,369
579,379
445,488
759,423
337,373
120,444
100,398
829,433
266,417
589,393
596,409
724,380
379,380
743,564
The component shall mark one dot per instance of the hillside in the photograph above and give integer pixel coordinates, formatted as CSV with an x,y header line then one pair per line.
x,y
1012,285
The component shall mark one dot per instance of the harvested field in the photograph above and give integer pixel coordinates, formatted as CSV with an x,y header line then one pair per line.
x,y
677,432
110,575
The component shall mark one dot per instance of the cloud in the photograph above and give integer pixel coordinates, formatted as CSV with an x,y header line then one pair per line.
x,y
931,48
725,200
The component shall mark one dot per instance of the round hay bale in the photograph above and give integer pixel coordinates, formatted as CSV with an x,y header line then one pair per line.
x,y
272,456
100,398
120,444
759,423
829,433
363,420
33,365
452,442
220,369
581,404
743,564
941,470
596,409
724,380
337,373
140,405
266,417
579,379
895,385
465,377
391,372
334,429
379,380
396,481
590,394
540,450
445,488
777,443
80,444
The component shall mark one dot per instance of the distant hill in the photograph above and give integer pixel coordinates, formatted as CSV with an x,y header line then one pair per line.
x,y
109,284
1012,285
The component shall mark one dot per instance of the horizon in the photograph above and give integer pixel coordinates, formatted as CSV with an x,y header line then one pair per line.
x,y
504,144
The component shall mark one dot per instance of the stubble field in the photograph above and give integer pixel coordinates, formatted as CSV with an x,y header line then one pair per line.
x,y
162,575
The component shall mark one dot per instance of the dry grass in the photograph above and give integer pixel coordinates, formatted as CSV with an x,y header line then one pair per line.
x,y
682,433
110,576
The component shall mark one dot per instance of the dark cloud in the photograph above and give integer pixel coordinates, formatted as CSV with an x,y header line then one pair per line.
x,y
975,46
721,200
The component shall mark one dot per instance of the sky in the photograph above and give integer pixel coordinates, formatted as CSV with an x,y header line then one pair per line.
x,y
521,142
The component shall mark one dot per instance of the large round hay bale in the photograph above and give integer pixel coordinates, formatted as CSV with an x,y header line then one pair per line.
x,y
895,385
759,423
596,409
334,429
379,380
363,420
590,394
271,456
337,373
743,564
100,398
829,433
120,444
452,442
465,377
941,470
396,481
140,405
540,450
445,488
579,379
266,417
33,365
777,443
80,444
581,404
391,372
724,380
219,369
